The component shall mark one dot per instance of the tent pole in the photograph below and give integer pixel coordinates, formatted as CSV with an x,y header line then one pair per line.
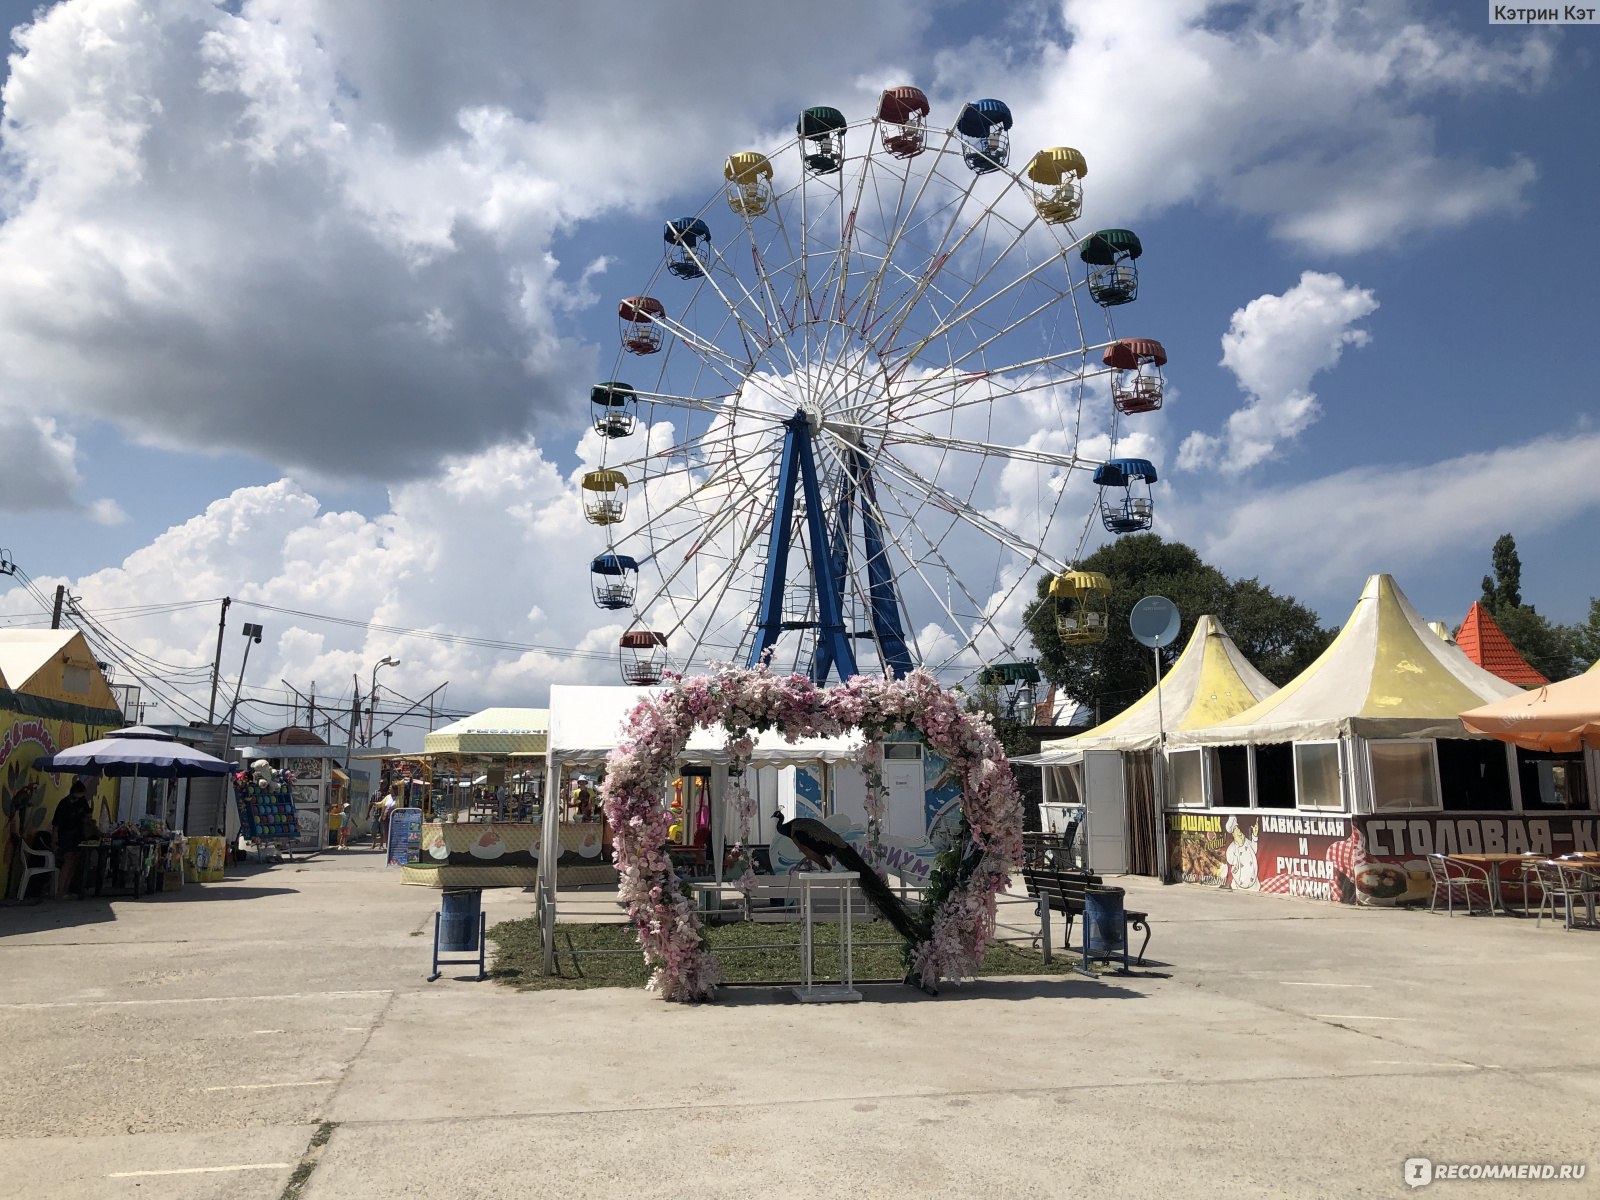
x,y
1160,770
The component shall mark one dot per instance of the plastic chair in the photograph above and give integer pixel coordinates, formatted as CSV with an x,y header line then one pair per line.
x,y
1451,876
47,867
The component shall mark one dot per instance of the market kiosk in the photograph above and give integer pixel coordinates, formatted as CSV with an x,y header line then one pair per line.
x,y
480,786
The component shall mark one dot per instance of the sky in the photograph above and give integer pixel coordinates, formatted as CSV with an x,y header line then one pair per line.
x,y
301,301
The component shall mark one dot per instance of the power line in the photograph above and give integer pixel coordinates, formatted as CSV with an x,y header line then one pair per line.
x,y
434,635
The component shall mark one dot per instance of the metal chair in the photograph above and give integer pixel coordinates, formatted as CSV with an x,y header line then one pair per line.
x,y
1559,883
46,866
1451,876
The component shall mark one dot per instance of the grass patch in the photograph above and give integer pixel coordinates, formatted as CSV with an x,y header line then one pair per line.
x,y
308,1162
744,951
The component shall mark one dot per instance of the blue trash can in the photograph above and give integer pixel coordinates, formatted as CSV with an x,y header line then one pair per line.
x,y
458,919
1105,925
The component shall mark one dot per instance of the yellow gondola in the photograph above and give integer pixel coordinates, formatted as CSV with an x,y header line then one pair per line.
x,y
1058,173
1083,600
606,500
749,177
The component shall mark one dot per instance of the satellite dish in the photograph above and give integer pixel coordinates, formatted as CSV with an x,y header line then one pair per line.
x,y
1154,621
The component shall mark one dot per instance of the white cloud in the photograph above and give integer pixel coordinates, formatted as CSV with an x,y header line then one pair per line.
x,y
341,237
39,469
323,234
1275,346
1313,118
40,463
224,229
1325,532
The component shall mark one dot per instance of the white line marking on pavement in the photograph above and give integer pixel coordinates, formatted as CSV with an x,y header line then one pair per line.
x,y
266,1031
196,1000
251,1087
1406,1062
1308,983
1357,1017
201,1170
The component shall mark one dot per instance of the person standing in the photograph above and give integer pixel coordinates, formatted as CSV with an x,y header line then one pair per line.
x,y
70,824
344,825
335,825
390,803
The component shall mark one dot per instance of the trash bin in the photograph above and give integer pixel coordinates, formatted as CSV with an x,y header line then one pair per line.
x,y
1105,925
458,919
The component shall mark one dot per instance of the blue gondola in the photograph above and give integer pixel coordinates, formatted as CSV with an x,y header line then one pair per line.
x,y
984,127
688,242
616,579
1133,510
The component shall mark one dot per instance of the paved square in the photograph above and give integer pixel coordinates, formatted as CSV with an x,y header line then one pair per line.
x,y
193,1044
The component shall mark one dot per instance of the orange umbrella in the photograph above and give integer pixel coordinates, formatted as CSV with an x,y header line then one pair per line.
x,y
1561,717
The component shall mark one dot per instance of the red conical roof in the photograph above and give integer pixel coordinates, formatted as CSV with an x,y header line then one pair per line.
x,y
1486,644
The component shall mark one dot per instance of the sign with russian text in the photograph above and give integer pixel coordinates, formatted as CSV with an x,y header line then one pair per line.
x,y
405,836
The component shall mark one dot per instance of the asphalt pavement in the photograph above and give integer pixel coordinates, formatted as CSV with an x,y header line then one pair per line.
x,y
227,1039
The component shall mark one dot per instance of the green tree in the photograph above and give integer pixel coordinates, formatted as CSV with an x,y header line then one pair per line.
x,y
1276,633
1552,650
1585,638
1503,590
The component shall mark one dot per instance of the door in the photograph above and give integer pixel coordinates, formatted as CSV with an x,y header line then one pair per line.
x,y
1107,842
906,804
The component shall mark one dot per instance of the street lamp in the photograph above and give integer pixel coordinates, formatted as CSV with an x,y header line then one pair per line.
x,y
372,692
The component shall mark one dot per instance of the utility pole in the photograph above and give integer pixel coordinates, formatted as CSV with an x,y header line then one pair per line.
x,y
61,595
216,663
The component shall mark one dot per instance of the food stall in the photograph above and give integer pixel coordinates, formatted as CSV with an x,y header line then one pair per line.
x,y
479,782
1340,785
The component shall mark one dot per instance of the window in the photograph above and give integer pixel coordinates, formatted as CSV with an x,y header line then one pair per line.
x,y
75,680
1230,776
1316,775
1274,775
1403,776
1552,781
1186,770
1473,775
902,750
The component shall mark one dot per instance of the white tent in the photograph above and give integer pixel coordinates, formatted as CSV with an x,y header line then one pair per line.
x,y
1387,675
587,722
1211,680
494,731
1365,728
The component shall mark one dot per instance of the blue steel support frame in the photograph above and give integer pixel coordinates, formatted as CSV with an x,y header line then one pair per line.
x,y
886,625
799,466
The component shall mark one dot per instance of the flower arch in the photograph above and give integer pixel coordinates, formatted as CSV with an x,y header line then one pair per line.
x,y
958,916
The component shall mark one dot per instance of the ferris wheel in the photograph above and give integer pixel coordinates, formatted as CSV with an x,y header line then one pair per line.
x,y
846,407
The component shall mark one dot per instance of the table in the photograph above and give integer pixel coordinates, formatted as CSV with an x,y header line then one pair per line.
x,y
140,862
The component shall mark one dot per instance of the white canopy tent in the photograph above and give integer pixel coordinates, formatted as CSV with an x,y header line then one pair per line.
x,y
1362,721
1386,675
1211,681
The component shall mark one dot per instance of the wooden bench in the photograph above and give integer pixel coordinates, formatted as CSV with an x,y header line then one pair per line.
x,y
1063,892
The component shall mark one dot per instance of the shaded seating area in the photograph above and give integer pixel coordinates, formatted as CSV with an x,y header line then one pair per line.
x,y
1568,886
